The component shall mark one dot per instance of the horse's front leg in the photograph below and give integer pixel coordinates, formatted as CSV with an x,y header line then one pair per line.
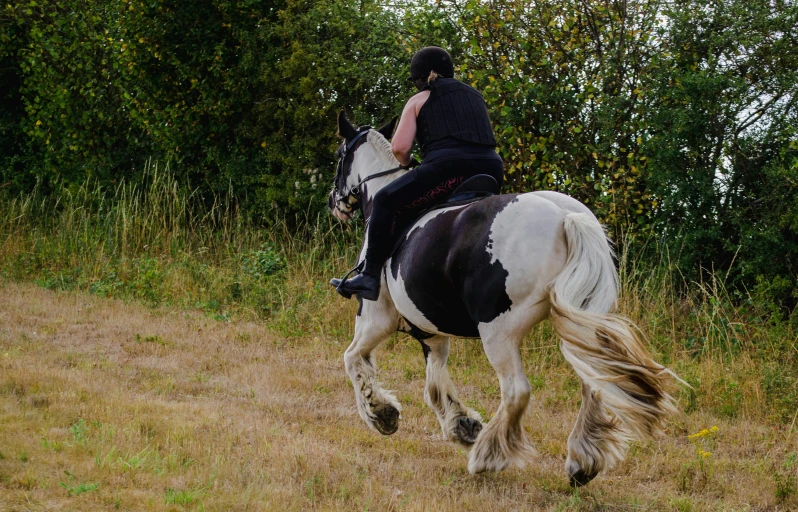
x,y
458,422
375,322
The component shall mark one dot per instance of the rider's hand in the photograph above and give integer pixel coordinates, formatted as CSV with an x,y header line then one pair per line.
x,y
413,163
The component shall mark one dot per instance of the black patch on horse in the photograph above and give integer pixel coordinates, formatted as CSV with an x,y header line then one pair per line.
x,y
447,271
425,348
417,333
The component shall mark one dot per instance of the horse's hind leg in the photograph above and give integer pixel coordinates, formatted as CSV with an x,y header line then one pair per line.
x,y
597,441
378,407
458,422
503,441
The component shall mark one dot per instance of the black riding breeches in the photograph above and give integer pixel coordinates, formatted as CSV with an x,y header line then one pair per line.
x,y
400,202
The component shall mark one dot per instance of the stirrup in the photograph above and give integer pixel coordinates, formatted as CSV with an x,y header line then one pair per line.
x,y
357,268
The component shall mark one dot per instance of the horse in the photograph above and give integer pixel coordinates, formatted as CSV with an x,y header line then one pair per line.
x,y
493,269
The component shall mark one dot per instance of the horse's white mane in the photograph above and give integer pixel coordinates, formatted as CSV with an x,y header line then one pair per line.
x,y
375,157
383,147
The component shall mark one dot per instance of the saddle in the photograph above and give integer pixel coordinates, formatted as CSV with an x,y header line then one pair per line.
x,y
471,190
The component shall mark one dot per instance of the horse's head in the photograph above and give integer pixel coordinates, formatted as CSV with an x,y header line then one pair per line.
x,y
362,154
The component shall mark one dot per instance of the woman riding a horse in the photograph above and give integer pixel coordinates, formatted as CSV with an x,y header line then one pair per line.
x,y
491,269
449,120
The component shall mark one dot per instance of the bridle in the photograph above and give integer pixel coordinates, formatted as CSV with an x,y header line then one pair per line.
x,y
351,197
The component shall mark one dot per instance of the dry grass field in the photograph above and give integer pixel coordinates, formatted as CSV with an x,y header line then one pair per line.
x,y
159,355
111,405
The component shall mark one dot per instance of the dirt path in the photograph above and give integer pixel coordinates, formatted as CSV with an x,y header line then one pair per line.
x,y
106,405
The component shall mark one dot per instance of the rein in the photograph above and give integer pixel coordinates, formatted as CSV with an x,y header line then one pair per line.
x,y
356,189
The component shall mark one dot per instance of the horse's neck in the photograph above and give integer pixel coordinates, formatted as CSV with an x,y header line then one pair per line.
x,y
370,190
370,164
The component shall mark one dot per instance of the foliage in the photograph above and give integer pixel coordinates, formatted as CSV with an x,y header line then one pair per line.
x,y
79,488
674,121
262,263
723,147
162,245
567,96
243,95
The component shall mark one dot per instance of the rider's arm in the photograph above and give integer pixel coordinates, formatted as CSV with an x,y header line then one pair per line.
x,y
402,142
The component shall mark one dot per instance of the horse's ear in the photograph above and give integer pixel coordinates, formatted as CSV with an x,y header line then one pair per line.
x,y
345,128
387,129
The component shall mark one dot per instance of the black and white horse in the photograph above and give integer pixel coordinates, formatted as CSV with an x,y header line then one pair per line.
x,y
493,269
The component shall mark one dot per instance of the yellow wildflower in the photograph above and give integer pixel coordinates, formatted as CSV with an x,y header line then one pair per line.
x,y
704,433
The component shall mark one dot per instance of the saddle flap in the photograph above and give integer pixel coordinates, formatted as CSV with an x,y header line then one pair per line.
x,y
480,183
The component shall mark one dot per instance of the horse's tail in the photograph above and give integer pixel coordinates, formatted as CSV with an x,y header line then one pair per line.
x,y
603,347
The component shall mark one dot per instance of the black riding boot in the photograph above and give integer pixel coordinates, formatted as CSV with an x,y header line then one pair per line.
x,y
366,284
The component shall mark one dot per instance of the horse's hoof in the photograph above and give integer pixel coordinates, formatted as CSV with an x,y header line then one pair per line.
x,y
467,429
581,478
387,419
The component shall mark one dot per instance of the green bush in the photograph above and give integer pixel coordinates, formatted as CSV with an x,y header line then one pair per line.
x,y
242,95
674,122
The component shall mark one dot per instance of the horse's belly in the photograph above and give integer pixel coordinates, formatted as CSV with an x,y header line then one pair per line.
x,y
442,280
435,310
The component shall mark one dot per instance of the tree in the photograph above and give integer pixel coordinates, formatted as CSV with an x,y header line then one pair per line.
x,y
564,83
722,146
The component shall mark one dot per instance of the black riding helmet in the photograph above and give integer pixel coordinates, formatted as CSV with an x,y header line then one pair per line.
x,y
431,58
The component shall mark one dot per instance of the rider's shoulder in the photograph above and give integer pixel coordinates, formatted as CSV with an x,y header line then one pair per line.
x,y
418,99
420,96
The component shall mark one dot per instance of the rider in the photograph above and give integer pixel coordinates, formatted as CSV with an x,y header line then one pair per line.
x,y
449,120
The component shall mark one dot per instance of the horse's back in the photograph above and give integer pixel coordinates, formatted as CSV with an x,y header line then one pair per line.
x,y
467,265
567,203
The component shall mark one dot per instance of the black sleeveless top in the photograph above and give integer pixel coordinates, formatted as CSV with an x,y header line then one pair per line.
x,y
454,114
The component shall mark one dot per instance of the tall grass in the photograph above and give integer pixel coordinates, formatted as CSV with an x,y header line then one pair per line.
x,y
739,353
156,242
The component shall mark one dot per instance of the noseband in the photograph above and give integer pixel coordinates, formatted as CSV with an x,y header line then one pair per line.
x,y
351,197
